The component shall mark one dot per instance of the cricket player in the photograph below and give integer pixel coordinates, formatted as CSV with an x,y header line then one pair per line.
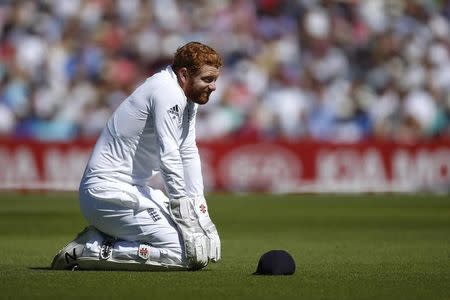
x,y
134,226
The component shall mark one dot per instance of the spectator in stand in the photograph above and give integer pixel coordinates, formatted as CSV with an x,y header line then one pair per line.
x,y
329,70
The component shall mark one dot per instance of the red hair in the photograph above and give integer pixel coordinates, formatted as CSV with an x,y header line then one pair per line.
x,y
194,55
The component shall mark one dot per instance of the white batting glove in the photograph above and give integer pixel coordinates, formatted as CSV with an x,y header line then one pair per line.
x,y
201,210
196,242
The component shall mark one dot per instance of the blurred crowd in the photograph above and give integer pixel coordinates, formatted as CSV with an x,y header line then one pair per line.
x,y
322,69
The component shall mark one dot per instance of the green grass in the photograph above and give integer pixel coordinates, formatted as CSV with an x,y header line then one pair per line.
x,y
345,247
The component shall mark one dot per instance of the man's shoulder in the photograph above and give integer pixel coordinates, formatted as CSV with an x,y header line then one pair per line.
x,y
164,88
158,86
164,76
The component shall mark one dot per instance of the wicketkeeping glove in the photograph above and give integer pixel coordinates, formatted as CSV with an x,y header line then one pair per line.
x,y
201,240
196,242
201,210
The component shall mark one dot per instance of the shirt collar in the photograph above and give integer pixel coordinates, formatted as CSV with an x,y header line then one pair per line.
x,y
174,77
171,72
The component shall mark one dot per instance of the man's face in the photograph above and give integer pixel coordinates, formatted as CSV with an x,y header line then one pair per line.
x,y
199,86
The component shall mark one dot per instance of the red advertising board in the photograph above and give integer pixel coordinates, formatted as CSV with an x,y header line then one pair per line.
x,y
244,165
327,167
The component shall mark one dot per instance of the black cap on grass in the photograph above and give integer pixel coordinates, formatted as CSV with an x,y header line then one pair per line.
x,y
275,262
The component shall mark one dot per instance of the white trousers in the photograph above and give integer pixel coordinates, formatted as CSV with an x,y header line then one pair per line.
x,y
135,215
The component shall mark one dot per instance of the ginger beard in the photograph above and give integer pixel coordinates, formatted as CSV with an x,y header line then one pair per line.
x,y
199,86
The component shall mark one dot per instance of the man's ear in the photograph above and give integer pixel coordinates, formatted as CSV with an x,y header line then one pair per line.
x,y
183,75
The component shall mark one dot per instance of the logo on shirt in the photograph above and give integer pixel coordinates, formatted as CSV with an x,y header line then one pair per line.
x,y
154,214
144,251
175,114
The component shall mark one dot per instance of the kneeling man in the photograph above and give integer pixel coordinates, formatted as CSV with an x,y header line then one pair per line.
x,y
134,226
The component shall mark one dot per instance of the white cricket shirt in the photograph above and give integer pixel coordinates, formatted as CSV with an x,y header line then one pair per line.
x,y
153,130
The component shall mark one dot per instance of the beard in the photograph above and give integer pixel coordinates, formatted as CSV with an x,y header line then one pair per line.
x,y
201,97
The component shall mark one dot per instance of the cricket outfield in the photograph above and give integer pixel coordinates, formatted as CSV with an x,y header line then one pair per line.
x,y
345,247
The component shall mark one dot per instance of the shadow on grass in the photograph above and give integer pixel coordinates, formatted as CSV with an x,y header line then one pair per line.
x,y
104,270
40,268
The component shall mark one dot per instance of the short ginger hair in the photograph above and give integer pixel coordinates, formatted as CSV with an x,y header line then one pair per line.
x,y
193,56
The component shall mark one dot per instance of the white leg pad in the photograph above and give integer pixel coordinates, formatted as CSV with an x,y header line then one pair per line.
x,y
125,255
